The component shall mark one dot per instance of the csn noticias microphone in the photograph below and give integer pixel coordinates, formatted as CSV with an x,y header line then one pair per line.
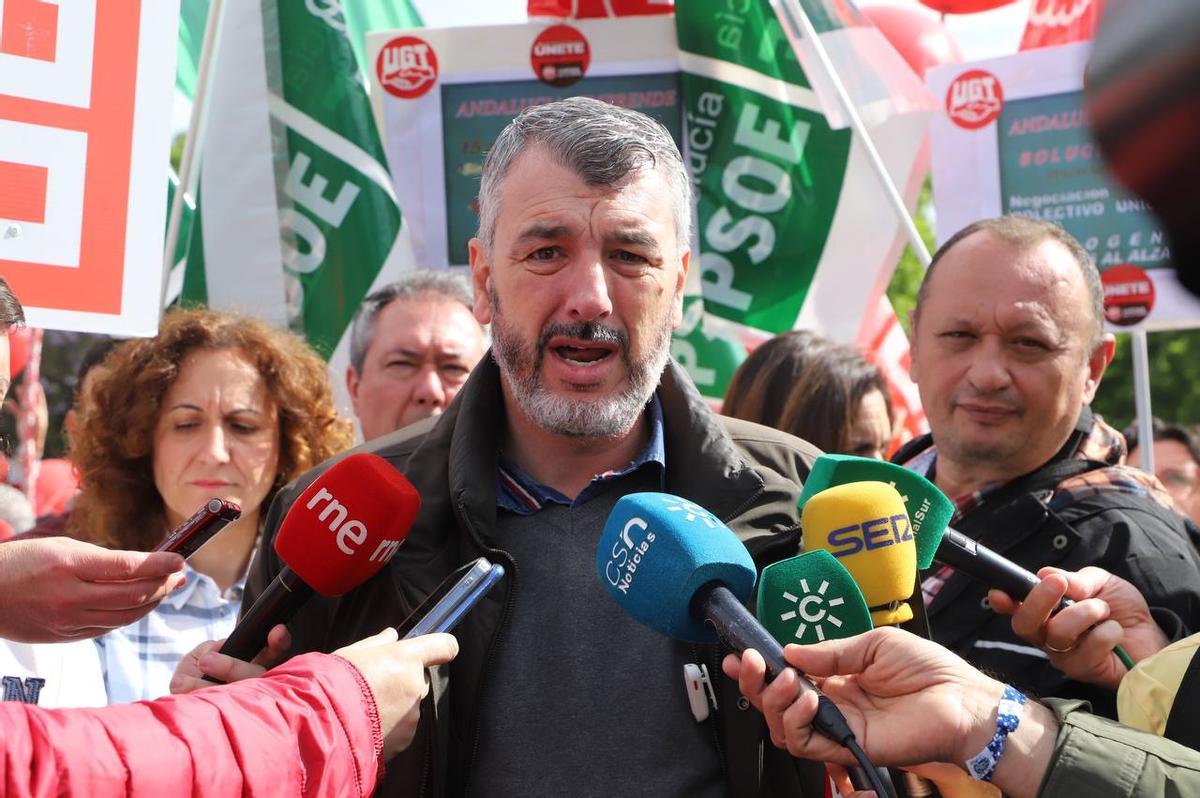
x,y
678,569
340,531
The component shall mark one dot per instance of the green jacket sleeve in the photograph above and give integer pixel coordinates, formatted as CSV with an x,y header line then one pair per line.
x,y
1098,757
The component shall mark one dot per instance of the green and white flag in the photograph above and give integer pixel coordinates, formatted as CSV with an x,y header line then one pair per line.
x,y
793,228
296,218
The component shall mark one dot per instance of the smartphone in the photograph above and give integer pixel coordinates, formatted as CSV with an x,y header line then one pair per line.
x,y
193,533
453,598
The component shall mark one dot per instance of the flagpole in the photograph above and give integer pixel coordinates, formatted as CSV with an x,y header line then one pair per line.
x,y
188,175
798,18
1141,394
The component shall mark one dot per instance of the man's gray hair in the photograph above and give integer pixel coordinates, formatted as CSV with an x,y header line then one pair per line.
x,y
442,284
603,144
1024,233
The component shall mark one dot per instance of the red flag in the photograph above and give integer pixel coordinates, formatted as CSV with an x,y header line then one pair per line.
x,y
583,9
1054,22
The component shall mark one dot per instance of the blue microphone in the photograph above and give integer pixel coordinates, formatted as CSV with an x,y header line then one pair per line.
x,y
679,570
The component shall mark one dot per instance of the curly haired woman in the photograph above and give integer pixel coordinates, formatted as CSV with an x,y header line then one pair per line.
x,y
215,405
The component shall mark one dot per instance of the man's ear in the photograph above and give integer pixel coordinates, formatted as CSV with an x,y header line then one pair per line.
x,y
1098,361
680,281
912,345
481,275
352,379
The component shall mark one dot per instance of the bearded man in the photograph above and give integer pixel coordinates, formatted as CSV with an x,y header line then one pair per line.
x,y
579,268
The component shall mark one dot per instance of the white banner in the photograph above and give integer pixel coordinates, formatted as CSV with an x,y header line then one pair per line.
x,y
1012,137
85,114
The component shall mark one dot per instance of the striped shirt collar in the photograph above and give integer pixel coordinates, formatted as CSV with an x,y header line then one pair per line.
x,y
519,493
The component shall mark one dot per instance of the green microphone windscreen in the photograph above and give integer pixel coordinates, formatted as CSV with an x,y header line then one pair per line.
x,y
810,598
929,511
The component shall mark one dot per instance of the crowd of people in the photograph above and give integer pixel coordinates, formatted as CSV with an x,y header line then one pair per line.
x,y
523,405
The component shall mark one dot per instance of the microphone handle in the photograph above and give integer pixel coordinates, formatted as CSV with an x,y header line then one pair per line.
x,y
979,562
739,630
277,604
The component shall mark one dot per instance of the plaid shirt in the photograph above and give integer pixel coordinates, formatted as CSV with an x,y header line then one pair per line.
x,y
1101,443
138,660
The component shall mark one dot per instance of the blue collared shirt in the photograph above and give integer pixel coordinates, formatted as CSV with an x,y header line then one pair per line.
x,y
518,492
138,660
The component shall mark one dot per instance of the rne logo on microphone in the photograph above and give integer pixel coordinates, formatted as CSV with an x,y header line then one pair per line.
x,y
627,554
870,535
351,532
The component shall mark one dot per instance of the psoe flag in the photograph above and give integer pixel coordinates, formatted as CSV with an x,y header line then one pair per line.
x,y
794,229
85,111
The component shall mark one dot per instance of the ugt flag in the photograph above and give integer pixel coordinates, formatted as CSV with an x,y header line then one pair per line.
x,y
793,227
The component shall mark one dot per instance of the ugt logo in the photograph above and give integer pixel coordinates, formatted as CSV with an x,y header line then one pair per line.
x,y
407,67
974,99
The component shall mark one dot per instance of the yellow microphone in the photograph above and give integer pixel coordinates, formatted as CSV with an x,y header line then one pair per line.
x,y
865,526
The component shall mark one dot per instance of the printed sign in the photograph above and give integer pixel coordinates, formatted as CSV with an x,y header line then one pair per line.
x,y
436,137
85,111
560,56
1014,138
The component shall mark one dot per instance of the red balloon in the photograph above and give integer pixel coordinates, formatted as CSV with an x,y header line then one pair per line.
x,y
18,350
920,37
964,6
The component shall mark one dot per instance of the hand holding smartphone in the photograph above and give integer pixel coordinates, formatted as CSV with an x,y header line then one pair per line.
x,y
193,533
453,598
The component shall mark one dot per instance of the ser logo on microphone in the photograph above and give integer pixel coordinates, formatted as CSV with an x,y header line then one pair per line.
x,y
351,533
870,535
627,554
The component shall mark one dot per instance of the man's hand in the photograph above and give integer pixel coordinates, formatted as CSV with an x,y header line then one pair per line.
x,y
395,670
907,700
1108,611
206,660
58,589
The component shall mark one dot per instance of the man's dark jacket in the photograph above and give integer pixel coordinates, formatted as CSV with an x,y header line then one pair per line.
x,y
1112,522
747,475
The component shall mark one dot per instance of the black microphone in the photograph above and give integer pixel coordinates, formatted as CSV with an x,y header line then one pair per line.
x,y
979,562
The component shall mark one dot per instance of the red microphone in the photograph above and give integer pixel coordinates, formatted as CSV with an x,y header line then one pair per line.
x,y
336,535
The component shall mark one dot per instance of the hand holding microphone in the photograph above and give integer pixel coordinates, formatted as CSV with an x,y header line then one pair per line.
x,y
1080,640
931,512
679,570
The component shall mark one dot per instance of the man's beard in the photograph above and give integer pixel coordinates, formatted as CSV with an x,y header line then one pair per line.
x,y
585,416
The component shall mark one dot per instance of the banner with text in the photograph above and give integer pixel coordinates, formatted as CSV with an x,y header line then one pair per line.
x,y
443,95
85,113
1012,137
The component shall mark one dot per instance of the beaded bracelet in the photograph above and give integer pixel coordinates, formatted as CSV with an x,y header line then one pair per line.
x,y
982,766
